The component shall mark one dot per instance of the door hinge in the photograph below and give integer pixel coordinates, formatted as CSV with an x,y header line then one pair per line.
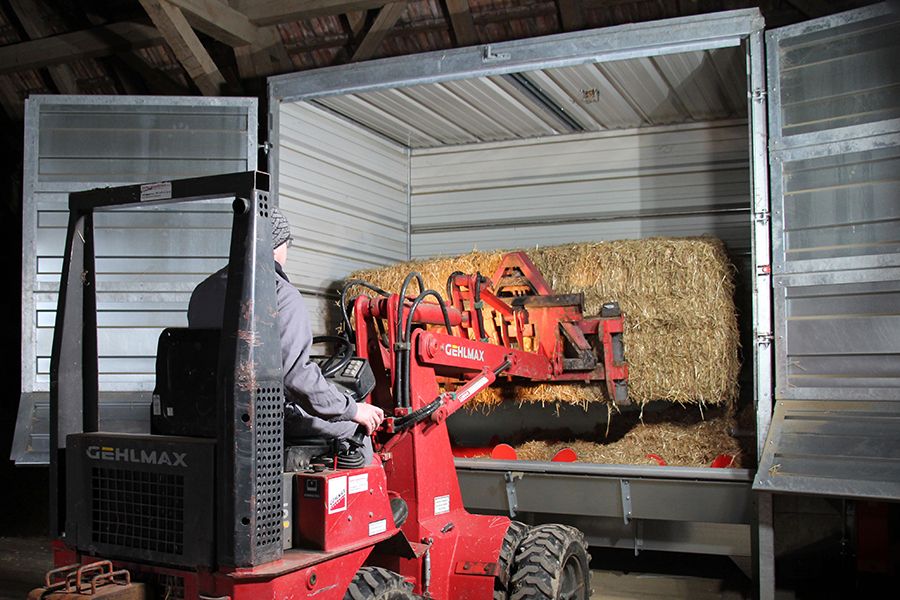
x,y
764,339
758,95
762,217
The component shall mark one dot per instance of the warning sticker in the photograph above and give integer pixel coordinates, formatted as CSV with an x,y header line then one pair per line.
x,y
441,504
337,494
376,527
156,191
157,407
358,483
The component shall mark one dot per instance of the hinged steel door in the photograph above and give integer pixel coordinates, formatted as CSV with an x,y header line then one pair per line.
x,y
147,262
834,150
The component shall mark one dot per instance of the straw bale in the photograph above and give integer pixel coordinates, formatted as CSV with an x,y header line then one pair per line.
x,y
680,336
679,443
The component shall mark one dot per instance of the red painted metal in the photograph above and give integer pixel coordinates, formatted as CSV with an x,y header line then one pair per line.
x,y
723,461
528,334
504,452
659,459
336,508
565,455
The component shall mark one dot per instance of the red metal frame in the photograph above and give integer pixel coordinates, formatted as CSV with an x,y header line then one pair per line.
x,y
441,548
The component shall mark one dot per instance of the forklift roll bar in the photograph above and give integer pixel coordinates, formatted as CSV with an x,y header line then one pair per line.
x,y
249,373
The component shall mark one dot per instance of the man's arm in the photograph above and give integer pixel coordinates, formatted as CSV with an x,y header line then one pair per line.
x,y
303,381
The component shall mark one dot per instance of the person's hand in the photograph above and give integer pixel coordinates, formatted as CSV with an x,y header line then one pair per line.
x,y
368,416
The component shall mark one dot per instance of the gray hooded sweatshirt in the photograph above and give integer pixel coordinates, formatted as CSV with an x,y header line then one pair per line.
x,y
313,406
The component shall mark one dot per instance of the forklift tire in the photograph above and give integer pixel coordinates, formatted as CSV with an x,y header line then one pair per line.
x,y
375,583
551,564
514,536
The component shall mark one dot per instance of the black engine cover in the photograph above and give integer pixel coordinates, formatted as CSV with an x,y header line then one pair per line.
x,y
141,497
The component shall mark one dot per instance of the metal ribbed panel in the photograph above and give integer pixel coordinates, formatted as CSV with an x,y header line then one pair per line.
x,y
846,76
638,92
681,180
148,261
343,189
836,265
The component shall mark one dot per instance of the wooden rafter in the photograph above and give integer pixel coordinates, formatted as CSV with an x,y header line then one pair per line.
x,y
384,22
187,47
267,55
270,12
220,21
357,21
62,75
571,14
463,24
88,43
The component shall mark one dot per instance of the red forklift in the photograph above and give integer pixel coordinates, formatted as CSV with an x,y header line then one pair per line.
x,y
211,505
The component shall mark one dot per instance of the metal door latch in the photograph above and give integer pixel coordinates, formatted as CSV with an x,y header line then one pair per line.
x,y
511,498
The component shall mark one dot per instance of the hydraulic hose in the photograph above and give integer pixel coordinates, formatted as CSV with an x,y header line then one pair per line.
x,y
400,350
408,335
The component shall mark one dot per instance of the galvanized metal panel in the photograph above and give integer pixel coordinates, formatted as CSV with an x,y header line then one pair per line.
x,y
344,190
833,448
643,91
838,335
147,260
677,180
837,72
671,36
835,157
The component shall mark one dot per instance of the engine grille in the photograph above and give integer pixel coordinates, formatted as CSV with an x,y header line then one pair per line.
x,y
138,509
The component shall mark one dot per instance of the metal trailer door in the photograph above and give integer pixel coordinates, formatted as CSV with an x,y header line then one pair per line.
x,y
834,113
145,274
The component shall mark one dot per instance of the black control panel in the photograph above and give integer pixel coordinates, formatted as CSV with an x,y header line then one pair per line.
x,y
356,376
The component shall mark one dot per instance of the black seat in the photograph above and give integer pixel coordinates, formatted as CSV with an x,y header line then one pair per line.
x,y
184,399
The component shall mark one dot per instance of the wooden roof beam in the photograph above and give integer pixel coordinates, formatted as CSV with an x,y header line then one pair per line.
x,y
463,24
77,45
187,47
220,21
271,12
62,75
384,22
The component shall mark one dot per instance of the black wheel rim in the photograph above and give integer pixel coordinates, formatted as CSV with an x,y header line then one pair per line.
x,y
571,585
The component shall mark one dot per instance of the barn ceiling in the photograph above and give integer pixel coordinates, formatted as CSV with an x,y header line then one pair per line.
x,y
229,47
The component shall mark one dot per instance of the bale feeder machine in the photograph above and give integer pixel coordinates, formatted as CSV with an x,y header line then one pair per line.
x,y
211,505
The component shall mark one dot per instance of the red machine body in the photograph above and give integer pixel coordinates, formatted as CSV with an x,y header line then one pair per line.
x,y
338,507
512,326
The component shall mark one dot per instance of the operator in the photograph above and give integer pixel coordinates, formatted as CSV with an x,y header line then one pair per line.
x,y
314,408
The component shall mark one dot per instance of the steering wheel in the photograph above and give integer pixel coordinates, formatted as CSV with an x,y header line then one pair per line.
x,y
339,359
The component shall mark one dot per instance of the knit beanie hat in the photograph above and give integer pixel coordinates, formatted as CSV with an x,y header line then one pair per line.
x,y
281,229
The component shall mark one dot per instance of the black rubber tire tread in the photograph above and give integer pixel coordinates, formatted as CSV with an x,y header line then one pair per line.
x,y
514,536
541,559
375,583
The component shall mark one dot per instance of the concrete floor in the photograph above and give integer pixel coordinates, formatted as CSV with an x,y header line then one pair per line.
x,y
24,560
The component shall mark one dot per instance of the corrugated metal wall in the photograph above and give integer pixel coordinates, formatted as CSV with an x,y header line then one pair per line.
x,y
344,190
659,181
148,261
